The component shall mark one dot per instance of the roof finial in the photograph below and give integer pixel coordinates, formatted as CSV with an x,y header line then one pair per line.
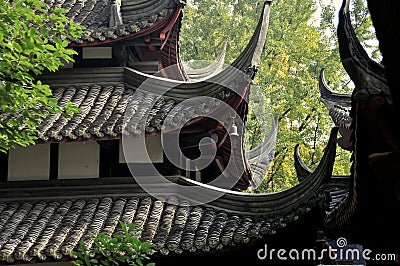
x,y
115,16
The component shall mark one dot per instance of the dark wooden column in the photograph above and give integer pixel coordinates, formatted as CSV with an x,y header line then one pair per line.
x,y
3,166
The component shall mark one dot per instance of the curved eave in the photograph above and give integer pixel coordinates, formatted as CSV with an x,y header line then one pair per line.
x,y
194,74
247,62
337,188
169,52
260,157
327,93
338,105
302,170
104,94
157,89
276,204
251,56
368,76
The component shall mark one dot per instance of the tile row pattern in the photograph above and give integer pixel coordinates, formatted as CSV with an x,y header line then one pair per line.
x,y
95,16
44,227
104,104
52,229
111,109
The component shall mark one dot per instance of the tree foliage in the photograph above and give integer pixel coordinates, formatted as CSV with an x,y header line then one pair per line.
x,y
124,249
297,48
33,39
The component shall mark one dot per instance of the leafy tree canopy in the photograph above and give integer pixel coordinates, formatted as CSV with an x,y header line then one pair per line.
x,y
33,39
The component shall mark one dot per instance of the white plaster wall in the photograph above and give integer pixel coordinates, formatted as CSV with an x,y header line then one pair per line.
x,y
29,163
133,145
96,52
77,160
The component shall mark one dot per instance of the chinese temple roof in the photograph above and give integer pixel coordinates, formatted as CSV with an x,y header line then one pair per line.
x,y
45,222
115,19
103,94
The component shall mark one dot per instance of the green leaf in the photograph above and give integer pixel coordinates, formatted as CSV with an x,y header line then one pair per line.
x,y
87,260
139,262
117,250
17,47
26,52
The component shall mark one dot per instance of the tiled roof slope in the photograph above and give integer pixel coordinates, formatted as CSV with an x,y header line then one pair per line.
x,y
91,100
102,109
104,94
110,19
54,228
110,104
48,221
